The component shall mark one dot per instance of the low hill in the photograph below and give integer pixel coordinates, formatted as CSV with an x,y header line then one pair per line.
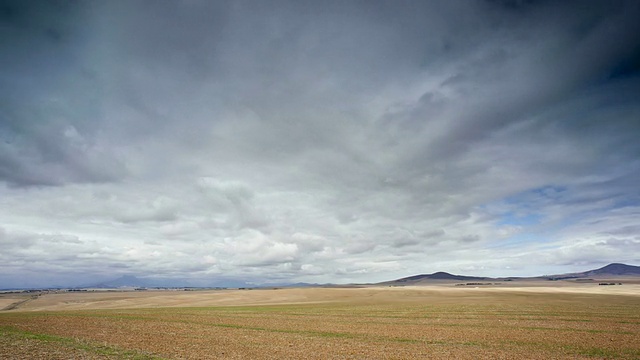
x,y
440,275
123,281
130,281
615,269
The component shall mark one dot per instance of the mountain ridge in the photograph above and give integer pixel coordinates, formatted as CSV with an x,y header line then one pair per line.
x,y
610,270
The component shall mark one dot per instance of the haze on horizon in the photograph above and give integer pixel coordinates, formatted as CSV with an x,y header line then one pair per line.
x,y
316,141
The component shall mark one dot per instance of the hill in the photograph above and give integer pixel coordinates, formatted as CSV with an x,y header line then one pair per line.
x,y
124,281
130,281
615,269
423,278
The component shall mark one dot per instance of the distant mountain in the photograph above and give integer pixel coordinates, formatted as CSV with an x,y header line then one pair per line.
x,y
615,269
611,271
440,275
130,281
123,281
291,285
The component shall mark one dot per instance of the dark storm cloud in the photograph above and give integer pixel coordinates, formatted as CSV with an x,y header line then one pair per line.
x,y
158,63
50,111
516,74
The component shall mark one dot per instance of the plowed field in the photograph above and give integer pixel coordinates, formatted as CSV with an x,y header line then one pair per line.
x,y
347,324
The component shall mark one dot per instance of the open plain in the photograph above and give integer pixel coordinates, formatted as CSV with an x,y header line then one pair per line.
x,y
564,321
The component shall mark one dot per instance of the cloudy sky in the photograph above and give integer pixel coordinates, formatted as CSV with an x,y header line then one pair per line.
x,y
316,141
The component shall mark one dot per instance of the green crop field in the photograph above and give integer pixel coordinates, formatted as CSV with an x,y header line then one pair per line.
x,y
505,325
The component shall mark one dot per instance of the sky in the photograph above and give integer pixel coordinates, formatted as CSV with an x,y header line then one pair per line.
x,y
316,141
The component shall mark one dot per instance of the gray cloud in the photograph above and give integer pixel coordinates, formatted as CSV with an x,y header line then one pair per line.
x,y
50,115
339,141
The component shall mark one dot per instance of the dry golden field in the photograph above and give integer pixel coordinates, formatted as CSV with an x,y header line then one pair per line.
x,y
439,322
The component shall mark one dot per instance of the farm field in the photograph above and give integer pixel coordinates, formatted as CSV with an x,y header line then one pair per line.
x,y
347,323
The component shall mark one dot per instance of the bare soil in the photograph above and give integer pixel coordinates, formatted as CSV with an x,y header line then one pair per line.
x,y
438,322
